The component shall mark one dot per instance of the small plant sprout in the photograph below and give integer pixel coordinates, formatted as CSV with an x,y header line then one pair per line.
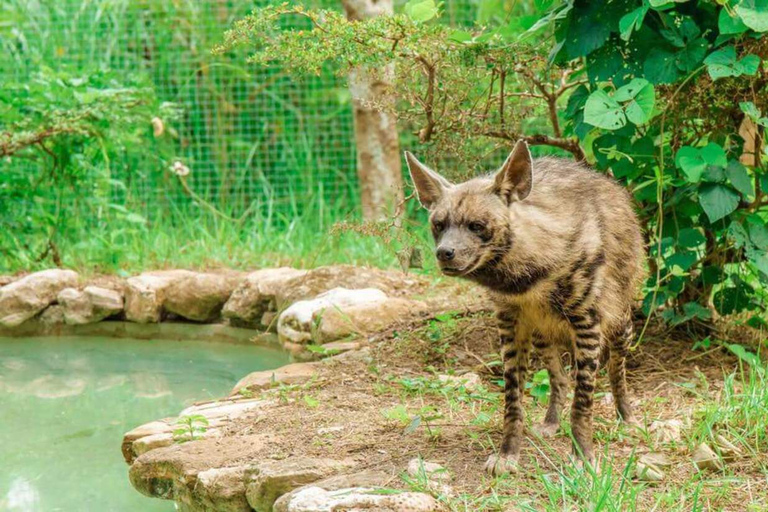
x,y
190,427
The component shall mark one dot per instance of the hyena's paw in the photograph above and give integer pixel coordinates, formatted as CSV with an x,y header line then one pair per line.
x,y
546,430
498,464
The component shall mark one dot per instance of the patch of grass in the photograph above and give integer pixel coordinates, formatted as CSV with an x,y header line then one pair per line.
x,y
186,237
741,413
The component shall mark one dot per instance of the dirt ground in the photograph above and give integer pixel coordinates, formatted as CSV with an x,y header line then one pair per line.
x,y
388,407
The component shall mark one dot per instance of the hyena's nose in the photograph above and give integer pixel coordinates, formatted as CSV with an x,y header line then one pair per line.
x,y
445,254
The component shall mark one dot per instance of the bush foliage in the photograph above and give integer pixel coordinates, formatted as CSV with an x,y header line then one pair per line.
x,y
668,96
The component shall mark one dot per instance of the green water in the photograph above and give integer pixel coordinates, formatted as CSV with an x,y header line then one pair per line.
x,y
66,402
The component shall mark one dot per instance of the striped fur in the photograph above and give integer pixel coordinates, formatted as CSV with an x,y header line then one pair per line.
x,y
560,251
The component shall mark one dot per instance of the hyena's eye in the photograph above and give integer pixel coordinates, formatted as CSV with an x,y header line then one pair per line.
x,y
438,226
476,227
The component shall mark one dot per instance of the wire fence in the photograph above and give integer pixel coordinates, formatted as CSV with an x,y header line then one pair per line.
x,y
246,134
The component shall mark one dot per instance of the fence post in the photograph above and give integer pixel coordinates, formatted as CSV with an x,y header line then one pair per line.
x,y
378,149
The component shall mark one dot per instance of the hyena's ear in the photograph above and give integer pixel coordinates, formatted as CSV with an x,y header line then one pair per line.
x,y
430,186
514,180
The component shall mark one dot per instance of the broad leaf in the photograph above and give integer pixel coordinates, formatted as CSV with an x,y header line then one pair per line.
x,y
641,97
739,178
728,24
758,234
717,200
754,14
690,238
631,22
660,67
723,63
421,10
694,161
603,111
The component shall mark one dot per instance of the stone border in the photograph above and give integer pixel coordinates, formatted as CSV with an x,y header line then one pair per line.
x,y
324,306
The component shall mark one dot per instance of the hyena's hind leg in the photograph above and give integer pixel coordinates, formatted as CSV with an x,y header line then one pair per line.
x,y
619,341
549,351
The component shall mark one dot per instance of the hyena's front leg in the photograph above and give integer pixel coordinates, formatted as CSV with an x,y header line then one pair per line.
x,y
549,352
515,346
588,336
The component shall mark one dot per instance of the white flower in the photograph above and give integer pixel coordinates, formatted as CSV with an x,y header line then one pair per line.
x,y
179,169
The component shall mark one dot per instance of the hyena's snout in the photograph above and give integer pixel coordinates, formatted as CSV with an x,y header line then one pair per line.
x,y
454,255
445,254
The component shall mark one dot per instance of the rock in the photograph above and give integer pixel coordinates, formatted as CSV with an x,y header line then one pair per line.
x,y
147,443
52,316
705,458
295,373
340,313
26,297
728,451
356,492
6,280
316,499
225,409
323,279
254,299
199,297
151,429
145,294
470,381
171,472
297,323
223,489
432,471
666,431
650,467
648,472
275,478
91,305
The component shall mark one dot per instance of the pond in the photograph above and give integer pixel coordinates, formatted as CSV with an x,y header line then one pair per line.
x,y
67,401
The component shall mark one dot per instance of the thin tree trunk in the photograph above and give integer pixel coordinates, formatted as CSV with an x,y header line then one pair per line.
x,y
378,149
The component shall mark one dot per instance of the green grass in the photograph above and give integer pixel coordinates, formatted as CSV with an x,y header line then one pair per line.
x,y
195,239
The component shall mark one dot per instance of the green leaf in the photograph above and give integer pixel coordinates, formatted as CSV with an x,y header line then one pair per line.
x,y
691,161
750,109
714,154
739,178
690,238
758,234
717,200
749,65
728,24
421,10
603,111
722,63
660,66
745,355
754,14
759,259
641,96
690,56
739,235
632,21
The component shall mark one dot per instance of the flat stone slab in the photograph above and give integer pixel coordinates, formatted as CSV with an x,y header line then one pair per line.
x,y
295,373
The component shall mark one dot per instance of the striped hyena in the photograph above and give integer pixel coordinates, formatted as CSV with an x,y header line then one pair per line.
x,y
559,249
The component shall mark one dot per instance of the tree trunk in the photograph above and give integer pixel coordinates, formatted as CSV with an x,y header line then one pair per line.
x,y
378,149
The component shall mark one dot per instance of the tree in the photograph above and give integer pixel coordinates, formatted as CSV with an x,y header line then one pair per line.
x,y
378,149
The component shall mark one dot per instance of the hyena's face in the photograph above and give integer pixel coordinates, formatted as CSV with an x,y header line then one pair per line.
x,y
470,221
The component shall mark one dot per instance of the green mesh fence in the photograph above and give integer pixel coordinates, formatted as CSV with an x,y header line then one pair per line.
x,y
246,134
